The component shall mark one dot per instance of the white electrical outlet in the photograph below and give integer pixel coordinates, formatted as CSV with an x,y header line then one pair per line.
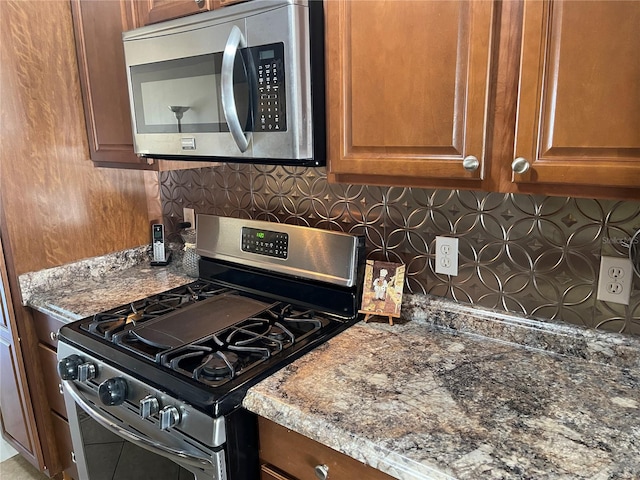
x,y
447,255
189,215
614,282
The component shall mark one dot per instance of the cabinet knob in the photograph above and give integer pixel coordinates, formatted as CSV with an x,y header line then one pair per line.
x,y
200,3
53,336
322,472
520,165
470,163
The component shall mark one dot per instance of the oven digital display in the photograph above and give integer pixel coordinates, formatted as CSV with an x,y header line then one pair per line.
x,y
265,242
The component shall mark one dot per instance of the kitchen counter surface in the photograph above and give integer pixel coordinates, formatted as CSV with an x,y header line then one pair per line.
x,y
449,391
458,392
80,289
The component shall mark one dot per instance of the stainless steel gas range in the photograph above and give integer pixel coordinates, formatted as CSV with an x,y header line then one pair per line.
x,y
153,389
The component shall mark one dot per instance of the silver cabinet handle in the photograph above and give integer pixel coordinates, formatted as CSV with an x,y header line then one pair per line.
x,y
322,472
470,163
53,336
200,3
520,165
236,40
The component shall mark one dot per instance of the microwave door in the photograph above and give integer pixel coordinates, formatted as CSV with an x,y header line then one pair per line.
x,y
177,102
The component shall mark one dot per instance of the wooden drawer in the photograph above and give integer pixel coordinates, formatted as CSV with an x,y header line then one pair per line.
x,y
63,442
47,328
297,456
48,363
269,473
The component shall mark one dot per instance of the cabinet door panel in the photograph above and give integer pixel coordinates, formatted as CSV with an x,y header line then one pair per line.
x,y
49,365
578,106
408,86
98,27
12,400
154,11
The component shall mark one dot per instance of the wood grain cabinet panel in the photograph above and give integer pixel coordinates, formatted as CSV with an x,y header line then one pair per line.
x,y
17,415
579,93
154,11
287,455
407,89
65,446
98,27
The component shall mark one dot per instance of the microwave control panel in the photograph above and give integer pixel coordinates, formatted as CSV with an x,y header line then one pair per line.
x,y
271,108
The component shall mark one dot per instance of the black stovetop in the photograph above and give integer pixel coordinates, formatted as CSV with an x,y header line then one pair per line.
x,y
205,342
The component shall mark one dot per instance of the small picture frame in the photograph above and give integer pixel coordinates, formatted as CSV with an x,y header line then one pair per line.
x,y
382,292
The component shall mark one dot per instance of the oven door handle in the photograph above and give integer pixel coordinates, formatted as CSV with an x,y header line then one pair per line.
x,y
180,456
234,42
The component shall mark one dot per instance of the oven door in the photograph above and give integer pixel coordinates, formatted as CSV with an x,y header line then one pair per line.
x,y
116,445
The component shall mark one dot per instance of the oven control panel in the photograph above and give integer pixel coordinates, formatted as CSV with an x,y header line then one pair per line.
x,y
265,242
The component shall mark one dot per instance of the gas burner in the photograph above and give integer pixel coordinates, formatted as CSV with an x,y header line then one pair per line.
x,y
113,322
217,366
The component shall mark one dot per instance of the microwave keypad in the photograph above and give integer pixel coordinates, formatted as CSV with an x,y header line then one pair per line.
x,y
271,108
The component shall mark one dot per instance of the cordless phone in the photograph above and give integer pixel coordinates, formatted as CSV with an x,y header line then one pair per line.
x,y
160,256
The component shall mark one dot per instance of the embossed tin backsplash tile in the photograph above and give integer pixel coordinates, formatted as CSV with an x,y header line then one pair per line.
x,y
532,255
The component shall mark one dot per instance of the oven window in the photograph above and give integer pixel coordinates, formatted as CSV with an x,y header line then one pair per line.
x,y
184,95
109,457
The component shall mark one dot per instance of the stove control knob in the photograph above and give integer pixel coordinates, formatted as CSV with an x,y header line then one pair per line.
x,y
149,406
86,371
113,391
68,367
169,417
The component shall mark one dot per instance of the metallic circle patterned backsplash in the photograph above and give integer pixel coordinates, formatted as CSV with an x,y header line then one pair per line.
x,y
533,255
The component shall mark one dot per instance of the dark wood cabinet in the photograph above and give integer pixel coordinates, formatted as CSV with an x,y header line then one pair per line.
x,y
47,328
287,455
417,89
408,94
18,423
154,11
579,94
98,27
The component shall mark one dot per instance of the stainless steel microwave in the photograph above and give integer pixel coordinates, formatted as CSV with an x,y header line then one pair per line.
x,y
243,83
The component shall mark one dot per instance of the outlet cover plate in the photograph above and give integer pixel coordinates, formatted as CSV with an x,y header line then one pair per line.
x,y
447,255
189,215
615,280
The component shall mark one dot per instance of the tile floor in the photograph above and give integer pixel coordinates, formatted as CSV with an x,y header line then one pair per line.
x,y
17,468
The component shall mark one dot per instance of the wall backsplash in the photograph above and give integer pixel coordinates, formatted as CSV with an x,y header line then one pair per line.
x,y
533,255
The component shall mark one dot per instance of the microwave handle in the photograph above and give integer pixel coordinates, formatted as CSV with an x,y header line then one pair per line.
x,y
236,40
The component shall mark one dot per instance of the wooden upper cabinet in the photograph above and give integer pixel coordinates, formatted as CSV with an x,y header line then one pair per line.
x,y
98,27
154,11
578,118
408,89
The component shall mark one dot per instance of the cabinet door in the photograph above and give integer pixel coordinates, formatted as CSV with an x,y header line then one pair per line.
x,y
154,11
13,397
578,119
407,88
98,26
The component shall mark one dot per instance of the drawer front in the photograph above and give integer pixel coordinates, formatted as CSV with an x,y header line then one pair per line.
x,y
298,456
63,442
49,362
268,473
47,328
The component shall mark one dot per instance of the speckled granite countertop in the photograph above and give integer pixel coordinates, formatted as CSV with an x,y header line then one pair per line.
x,y
430,398
450,391
76,290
